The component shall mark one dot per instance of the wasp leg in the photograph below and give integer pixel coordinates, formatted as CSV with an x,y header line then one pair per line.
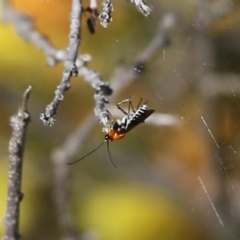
x,y
120,103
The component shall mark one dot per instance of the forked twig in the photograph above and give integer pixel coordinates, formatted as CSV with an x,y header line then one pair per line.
x,y
73,143
70,65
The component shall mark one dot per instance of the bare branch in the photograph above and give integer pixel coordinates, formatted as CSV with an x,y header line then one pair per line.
x,y
214,83
70,66
142,7
74,65
209,11
160,39
106,14
121,80
93,4
25,28
125,75
19,124
62,193
103,89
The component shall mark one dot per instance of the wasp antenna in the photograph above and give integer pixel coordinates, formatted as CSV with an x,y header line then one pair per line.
x,y
70,163
140,103
109,155
146,102
130,106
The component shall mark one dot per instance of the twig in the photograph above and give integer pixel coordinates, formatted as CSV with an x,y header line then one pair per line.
x,y
121,79
74,64
70,66
19,124
106,15
142,7
62,187
25,28
225,84
209,11
103,89
93,4
73,143
124,75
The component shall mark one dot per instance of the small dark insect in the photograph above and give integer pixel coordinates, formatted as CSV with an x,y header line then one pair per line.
x,y
122,126
92,19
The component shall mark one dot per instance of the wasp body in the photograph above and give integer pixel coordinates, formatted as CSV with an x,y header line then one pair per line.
x,y
122,126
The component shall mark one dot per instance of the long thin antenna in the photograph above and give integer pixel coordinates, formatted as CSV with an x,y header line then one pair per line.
x,y
140,103
109,155
88,154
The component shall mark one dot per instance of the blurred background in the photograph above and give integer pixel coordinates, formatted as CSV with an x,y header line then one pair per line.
x,y
175,182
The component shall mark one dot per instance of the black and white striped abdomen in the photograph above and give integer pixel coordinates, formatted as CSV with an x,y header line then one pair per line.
x,y
141,114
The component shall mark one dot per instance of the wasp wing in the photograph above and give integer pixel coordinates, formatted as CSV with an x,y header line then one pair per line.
x,y
137,119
